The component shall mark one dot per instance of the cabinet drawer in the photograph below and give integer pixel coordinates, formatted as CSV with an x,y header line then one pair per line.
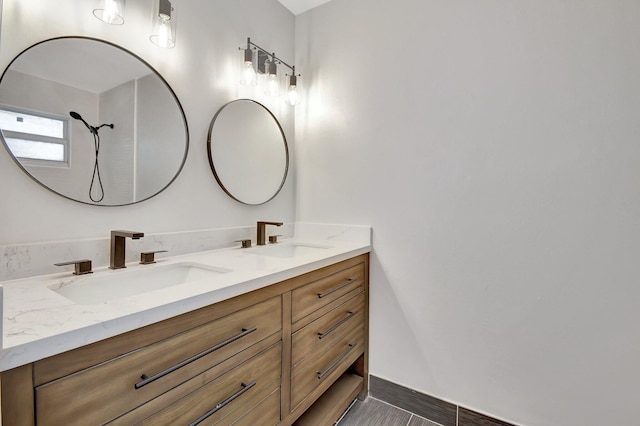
x,y
315,295
329,365
131,380
326,330
229,397
266,413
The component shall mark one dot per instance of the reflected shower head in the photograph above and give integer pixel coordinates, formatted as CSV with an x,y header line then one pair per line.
x,y
92,129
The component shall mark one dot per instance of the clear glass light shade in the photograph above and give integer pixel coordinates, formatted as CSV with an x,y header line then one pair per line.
x,y
249,76
273,85
111,12
163,34
292,95
164,25
292,90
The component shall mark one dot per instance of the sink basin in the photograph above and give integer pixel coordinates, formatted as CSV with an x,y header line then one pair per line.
x,y
288,249
112,285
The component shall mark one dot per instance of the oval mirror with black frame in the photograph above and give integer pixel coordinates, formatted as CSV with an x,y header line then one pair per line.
x,y
92,121
248,152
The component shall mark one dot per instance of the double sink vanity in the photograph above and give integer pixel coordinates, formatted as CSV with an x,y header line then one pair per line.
x,y
275,334
271,334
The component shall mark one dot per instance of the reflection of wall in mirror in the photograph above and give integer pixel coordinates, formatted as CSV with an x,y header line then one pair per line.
x,y
117,145
248,151
137,153
157,139
36,94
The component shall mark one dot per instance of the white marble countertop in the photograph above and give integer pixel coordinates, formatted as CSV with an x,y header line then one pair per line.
x,y
39,322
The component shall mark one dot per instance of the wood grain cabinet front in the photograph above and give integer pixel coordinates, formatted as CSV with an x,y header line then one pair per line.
x,y
129,381
321,334
222,400
322,292
328,366
329,343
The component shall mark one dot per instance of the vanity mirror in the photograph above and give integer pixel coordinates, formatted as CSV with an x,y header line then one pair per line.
x,y
248,152
92,122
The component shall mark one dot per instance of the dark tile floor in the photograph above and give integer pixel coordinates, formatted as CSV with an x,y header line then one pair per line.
x,y
373,412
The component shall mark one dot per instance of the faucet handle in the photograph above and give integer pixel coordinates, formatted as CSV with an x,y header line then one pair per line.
x,y
273,238
245,243
148,257
82,267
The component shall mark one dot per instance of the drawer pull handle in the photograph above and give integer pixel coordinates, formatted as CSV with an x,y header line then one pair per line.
x,y
338,324
331,366
223,404
333,290
146,379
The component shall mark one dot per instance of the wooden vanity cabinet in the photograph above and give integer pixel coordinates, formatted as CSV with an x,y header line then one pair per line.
x,y
293,352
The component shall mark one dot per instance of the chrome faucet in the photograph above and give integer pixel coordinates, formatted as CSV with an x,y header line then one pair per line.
x,y
118,238
261,231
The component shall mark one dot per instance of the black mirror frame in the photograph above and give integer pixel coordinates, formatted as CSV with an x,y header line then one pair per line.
x,y
173,94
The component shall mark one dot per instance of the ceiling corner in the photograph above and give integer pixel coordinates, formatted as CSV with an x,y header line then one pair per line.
x,y
300,6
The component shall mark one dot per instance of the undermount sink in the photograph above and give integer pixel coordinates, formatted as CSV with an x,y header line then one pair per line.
x,y
112,285
288,249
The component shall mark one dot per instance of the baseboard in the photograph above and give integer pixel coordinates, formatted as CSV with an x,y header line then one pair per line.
x,y
429,407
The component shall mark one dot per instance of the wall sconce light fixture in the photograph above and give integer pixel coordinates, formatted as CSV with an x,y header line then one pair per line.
x,y
164,25
111,12
267,63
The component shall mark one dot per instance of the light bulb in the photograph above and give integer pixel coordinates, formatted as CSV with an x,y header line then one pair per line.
x,y
292,91
273,88
292,95
272,85
164,33
249,76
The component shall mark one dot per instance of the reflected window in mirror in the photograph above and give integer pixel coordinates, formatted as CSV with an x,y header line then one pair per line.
x,y
36,138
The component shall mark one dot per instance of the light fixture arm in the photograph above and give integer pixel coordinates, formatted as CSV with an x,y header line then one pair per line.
x,y
274,58
267,64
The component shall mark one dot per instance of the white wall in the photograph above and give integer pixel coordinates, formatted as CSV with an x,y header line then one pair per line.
x,y
201,69
493,146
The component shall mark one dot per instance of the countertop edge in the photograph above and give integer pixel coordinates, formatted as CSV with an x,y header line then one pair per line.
x,y
21,354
